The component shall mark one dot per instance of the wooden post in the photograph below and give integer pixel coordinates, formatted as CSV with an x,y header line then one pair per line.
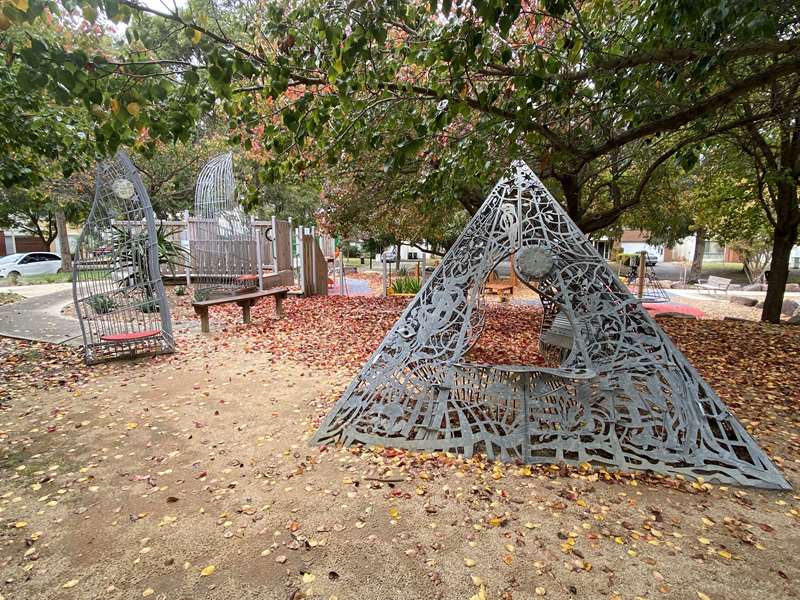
x,y
279,306
301,275
424,266
642,270
245,311
385,283
203,312
274,245
341,270
259,265
314,289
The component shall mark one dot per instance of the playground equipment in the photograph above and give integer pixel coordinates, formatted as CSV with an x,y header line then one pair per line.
x,y
226,252
623,396
643,281
223,246
116,282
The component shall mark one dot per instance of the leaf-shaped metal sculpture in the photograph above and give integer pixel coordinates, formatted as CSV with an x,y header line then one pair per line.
x,y
222,243
623,396
116,282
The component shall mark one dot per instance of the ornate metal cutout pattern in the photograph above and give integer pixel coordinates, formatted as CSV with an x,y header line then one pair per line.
x,y
221,237
116,281
623,397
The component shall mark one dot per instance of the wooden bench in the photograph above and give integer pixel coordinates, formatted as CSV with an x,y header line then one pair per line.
x,y
501,288
243,300
558,335
715,284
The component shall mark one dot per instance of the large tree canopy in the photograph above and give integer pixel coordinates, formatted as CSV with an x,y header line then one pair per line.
x,y
598,96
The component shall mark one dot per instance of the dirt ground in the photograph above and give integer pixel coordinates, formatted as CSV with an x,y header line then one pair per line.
x,y
189,477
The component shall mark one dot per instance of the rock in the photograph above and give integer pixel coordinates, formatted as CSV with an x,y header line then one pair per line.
x,y
795,320
753,287
793,287
789,307
743,300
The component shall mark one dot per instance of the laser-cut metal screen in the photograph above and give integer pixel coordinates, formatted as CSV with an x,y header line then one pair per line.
x,y
623,397
116,282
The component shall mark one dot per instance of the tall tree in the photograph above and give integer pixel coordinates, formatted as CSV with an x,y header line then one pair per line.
x,y
575,84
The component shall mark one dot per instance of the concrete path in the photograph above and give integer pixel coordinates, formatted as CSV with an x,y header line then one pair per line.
x,y
38,317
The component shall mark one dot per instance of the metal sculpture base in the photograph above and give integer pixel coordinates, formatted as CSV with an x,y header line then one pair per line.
x,y
623,396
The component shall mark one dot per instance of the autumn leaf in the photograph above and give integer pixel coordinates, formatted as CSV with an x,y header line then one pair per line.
x,y
70,584
133,109
208,571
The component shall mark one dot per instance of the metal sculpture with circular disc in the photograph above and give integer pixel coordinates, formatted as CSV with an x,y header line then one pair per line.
x,y
623,397
116,281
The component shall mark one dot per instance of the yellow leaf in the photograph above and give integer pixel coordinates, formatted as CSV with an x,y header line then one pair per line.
x,y
70,584
540,591
469,562
129,425
725,554
703,596
21,5
508,559
478,581
20,524
308,578
394,513
481,595
115,110
196,36
148,592
707,521
209,570
133,109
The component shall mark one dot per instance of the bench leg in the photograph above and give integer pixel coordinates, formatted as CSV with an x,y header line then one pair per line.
x,y
279,306
203,312
245,312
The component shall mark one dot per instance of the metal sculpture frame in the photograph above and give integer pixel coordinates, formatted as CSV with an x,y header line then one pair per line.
x,y
623,397
221,235
117,288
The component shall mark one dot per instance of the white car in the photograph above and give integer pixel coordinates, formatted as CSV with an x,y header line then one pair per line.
x,y
29,263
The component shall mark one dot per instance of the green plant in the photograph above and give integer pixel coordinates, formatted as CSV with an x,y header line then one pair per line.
x,y
150,306
200,295
180,290
406,285
101,304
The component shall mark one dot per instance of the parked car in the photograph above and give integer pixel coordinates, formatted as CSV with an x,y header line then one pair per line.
x,y
29,263
651,260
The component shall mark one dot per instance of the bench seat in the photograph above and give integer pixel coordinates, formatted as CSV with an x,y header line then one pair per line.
x,y
245,301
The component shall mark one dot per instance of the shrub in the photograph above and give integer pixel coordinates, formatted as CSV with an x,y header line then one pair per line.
x,y
406,285
101,304
180,290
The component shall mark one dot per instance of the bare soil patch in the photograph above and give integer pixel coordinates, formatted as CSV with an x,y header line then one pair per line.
x,y
134,479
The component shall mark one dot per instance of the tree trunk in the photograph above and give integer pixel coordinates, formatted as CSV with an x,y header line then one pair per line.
x,y
697,259
397,258
63,240
782,244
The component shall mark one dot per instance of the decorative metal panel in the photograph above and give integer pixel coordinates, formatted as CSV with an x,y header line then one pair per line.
x,y
623,396
116,281
221,239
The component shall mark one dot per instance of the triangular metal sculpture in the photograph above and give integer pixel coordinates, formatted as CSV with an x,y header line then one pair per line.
x,y
221,238
624,397
116,281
